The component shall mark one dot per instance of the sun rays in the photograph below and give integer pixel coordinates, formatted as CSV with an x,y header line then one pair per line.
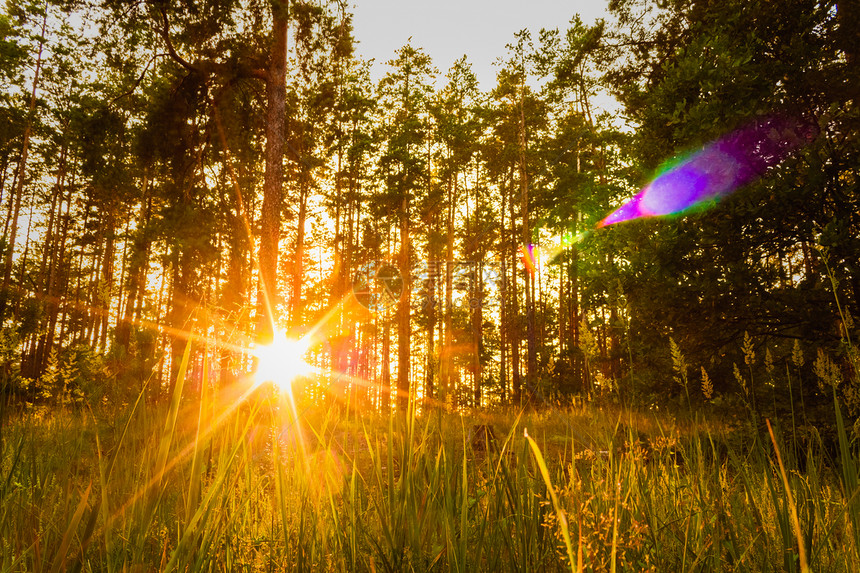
x,y
282,361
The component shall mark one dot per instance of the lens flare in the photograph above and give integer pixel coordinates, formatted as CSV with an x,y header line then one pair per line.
x,y
699,180
282,361
530,257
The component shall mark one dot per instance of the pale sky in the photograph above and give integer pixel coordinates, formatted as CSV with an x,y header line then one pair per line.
x,y
447,29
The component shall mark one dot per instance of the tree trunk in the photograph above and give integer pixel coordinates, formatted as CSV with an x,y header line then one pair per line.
x,y
93,296
273,179
448,340
55,279
404,329
182,305
477,333
76,331
49,263
4,170
385,397
432,319
106,282
22,165
514,334
11,204
531,366
296,304
138,265
503,308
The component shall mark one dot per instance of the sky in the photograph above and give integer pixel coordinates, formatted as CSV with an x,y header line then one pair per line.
x,y
448,29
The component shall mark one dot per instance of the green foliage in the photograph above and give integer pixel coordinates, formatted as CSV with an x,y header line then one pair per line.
x,y
693,72
405,92
12,53
74,376
10,345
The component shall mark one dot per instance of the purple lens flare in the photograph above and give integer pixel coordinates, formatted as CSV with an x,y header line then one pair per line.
x,y
704,177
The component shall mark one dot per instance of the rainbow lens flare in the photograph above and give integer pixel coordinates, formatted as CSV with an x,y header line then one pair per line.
x,y
701,179
530,258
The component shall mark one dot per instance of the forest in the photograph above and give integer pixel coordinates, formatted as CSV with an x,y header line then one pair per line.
x,y
265,299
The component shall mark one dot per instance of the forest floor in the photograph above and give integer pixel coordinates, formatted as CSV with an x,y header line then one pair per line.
x,y
201,484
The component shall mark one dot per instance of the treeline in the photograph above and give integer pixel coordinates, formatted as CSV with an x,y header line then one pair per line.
x,y
206,170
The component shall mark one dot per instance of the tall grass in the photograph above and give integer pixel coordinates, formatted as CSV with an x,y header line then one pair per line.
x,y
219,481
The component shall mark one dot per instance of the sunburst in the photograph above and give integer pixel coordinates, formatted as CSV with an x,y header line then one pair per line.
x,y
283,361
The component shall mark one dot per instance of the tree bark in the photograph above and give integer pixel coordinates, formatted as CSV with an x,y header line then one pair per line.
x,y
385,397
477,333
296,304
273,178
503,305
404,330
531,365
448,340
106,281
514,334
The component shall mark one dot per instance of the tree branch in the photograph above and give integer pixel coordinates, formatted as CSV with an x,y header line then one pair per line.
x,y
165,34
140,79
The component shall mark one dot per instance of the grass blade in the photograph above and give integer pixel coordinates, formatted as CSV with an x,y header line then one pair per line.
x,y
795,522
559,512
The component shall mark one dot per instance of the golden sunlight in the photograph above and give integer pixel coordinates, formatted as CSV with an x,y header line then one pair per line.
x,y
282,361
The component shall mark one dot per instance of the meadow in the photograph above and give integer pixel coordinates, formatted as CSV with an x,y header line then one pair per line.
x,y
242,179
219,482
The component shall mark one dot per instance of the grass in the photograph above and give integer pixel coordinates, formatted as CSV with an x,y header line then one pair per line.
x,y
213,481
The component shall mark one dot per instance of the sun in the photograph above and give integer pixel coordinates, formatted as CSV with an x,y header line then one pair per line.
x,y
282,361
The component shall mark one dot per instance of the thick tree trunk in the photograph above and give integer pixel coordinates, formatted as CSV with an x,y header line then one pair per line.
x,y
273,179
